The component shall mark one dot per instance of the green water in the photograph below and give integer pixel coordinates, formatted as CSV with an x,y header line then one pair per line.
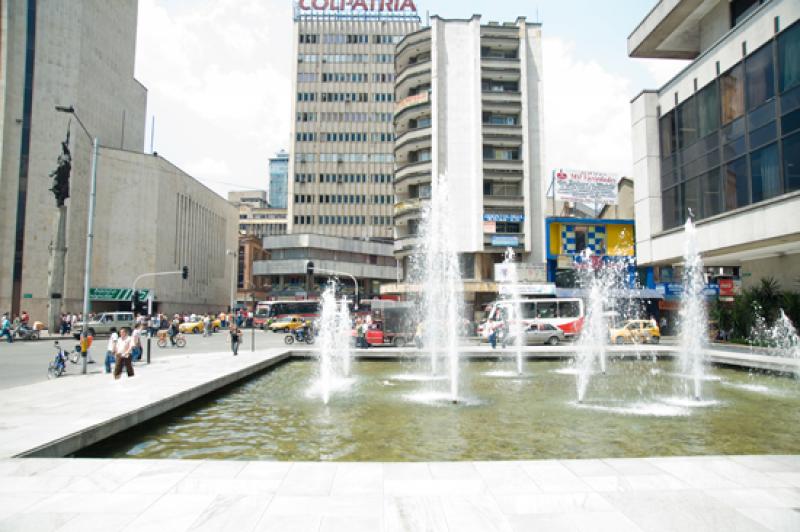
x,y
635,410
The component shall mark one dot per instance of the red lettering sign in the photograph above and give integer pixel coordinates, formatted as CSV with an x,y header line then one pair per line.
x,y
393,6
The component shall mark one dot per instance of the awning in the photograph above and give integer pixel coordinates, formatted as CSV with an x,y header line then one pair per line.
x,y
116,294
633,293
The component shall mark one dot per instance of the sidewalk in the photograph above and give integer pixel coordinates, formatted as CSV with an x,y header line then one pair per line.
x,y
58,417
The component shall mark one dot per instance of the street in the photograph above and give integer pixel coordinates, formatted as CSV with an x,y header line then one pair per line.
x,y
26,362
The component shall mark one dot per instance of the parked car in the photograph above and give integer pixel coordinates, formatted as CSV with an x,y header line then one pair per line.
x,y
103,323
196,327
636,332
539,334
286,324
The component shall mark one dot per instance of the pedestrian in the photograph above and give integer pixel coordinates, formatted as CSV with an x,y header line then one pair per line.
x,y
206,326
111,348
136,338
173,331
493,336
122,354
5,329
236,338
25,318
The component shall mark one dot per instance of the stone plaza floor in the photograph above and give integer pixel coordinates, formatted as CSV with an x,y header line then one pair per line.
x,y
58,417
738,493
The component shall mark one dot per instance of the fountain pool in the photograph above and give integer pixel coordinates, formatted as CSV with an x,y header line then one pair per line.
x,y
632,411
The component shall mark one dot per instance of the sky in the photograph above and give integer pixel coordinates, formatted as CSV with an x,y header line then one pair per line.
x,y
218,74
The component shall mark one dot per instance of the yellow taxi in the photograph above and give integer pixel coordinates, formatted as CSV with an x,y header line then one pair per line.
x,y
286,324
196,327
636,332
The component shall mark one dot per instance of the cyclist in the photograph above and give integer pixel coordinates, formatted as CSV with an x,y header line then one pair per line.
x,y
173,331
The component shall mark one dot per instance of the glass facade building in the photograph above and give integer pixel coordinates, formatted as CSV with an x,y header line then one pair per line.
x,y
279,180
736,141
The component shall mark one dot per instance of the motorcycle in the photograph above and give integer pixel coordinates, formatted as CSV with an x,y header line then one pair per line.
x,y
299,335
24,332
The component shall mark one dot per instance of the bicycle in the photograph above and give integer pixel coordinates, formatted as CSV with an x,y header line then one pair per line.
x,y
163,340
58,366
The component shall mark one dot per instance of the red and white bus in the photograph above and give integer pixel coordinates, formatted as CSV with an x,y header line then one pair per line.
x,y
269,311
565,313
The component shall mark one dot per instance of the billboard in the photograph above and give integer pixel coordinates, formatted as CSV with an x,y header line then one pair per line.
x,y
385,6
585,186
526,273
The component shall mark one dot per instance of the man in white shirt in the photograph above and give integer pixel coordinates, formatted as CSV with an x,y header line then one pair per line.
x,y
136,337
122,354
111,348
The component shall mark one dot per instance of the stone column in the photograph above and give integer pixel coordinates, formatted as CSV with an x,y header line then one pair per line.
x,y
55,284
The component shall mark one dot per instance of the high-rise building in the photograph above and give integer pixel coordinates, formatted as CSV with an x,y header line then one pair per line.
x,y
721,140
342,157
279,180
469,107
256,216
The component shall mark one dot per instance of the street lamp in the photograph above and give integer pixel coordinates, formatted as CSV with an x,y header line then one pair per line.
x,y
90,224
232,254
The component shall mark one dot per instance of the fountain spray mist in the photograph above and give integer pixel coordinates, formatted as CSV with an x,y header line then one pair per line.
x,y
437,273
334,341
516,325
591,345
693,326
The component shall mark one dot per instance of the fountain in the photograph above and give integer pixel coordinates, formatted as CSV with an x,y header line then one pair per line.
x,y
784,339
437,273
334,342
591,345
693,324
516,324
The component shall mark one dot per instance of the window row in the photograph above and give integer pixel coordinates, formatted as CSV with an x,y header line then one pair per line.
x,y
759,176
311,38
338,117
494,153
348,199
355,137
345,157
343,178
741,116
345,58
303,198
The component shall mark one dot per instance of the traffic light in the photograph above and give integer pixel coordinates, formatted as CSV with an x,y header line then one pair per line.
x,y
309,268
135,300
185,272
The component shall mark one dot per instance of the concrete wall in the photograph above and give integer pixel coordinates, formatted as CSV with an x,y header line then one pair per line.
x,y
533,143
458,155
85,53
153,217
785,269
715,24
646,173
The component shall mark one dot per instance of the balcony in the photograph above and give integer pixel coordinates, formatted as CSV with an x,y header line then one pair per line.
x,y
409,206
517,201
404,245
423,68
411,101
502,165
497,130
420,135
506,98
412,44
419,171
502,63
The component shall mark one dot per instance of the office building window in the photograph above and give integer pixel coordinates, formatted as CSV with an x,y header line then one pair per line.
x,y
789,57
732,87
691,196
791,162
711,193
766,173
687,122
760,75
707,110
671,207
736,184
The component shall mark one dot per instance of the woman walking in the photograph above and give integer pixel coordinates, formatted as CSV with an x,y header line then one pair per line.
x,y
236,338
122,354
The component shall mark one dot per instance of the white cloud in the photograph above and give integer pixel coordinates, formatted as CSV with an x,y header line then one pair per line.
x,y
586,112
218,79
662,70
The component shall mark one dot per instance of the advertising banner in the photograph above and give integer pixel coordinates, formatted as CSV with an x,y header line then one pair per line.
x,y
489,228
586,186
526,273
547,289
505,241
518,218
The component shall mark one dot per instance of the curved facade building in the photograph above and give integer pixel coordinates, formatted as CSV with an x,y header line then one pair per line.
x,y
469,100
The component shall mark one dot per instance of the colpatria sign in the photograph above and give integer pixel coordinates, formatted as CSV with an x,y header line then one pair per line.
x,y
378,6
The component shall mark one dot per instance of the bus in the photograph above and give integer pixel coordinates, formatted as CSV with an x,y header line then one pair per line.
x,y
269,311
565,313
